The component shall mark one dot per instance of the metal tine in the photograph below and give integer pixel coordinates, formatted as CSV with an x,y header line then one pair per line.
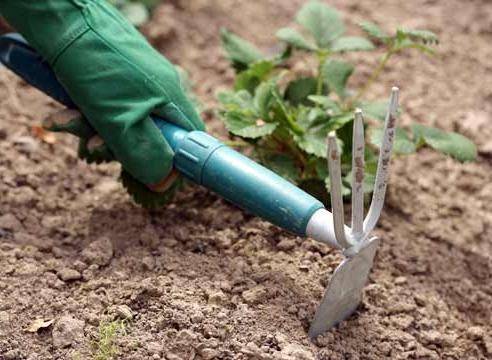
x,y
336,191
383,164
358,176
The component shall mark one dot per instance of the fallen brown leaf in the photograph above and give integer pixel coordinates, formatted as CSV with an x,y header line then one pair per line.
x,y
39,324
40,133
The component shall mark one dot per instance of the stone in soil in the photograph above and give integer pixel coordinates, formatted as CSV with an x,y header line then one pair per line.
x,y
67,274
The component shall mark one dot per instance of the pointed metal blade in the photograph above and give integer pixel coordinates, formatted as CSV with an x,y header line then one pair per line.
x,y
344,292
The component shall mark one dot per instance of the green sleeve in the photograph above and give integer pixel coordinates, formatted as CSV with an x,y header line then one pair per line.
x,y
48,25
116,78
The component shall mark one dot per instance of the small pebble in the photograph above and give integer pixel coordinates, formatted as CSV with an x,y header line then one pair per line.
x,y
67,274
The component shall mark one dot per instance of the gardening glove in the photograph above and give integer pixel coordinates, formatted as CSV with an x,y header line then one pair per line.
x,y
113,75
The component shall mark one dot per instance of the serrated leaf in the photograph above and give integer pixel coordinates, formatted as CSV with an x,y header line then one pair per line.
x,y
375,110
298,90
336,74
136,13
424,36
240,52
312,142
373,30
338,121
263,98
240,100
247,127
351,43
323,21
402,145
325,102
253,76
295,39
450,143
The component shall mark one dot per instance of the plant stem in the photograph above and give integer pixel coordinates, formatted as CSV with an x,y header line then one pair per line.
x,y
322,57
375,75
294,126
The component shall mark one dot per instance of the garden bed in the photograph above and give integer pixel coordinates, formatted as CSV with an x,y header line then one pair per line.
x,y
204,280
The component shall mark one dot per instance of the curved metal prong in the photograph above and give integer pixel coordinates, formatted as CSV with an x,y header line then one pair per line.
x,y
383,164
336,190
358,176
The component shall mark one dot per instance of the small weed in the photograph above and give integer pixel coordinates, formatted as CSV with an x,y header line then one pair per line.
x,y
105,345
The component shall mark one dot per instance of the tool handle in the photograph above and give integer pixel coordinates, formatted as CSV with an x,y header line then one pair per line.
x,y
198,156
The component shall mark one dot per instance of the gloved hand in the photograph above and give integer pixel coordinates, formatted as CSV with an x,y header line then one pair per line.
x,y
114,77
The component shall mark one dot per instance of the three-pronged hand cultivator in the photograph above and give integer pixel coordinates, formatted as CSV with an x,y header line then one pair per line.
x,y
206,161
344,291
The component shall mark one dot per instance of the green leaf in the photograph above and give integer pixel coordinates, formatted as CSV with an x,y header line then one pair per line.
x,y
283,165
375,110
374,31
298,90
316,125
323,21
368,183
450,143
313,142
351,43
241,100
253,76
424,36
295,39
336,74
325,102
402,145
339,121
345,189
247,127
239,51
263,98
136,13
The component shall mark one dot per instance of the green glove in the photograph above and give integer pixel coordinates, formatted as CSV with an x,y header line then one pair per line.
x,y
113,75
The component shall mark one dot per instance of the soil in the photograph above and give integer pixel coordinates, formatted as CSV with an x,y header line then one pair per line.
x,y
203,280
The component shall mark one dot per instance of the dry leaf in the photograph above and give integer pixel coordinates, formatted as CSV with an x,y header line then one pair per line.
x,y
39,324
46,136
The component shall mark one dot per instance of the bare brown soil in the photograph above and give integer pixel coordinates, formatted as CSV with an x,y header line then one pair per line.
x,y
203,280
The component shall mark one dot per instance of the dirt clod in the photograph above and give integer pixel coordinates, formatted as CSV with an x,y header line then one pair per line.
x,y
254,295
10,222
67,331
99,252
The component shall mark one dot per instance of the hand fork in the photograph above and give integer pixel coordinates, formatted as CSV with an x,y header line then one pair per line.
x,y
344,292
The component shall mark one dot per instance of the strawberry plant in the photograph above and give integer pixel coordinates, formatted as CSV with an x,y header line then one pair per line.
x,y
284,117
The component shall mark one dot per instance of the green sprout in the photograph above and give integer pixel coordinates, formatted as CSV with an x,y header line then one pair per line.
x,y
105,345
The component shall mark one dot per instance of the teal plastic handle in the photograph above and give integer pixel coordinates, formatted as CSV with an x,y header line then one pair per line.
x,y
238,179
198,156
